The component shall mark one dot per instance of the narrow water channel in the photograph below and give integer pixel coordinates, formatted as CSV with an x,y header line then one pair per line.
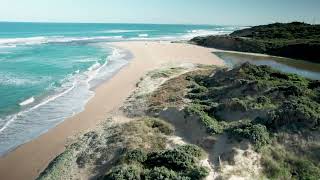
x,y
303,68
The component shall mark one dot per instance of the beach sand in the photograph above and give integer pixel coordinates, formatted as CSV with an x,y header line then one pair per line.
x,y
28,160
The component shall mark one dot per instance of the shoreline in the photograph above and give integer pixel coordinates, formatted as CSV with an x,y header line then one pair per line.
x,y
78,92
29,159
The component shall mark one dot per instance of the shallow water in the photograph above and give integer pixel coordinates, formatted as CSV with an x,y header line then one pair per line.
x,y
303,68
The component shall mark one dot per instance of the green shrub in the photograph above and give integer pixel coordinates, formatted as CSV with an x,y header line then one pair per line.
x,y
257,134
278,163
233,104
304,170
274,169
198,173
124,172
160,125
137,155
192,150
162,173
263,100
181,163
172,159
296,113
212,125
196,88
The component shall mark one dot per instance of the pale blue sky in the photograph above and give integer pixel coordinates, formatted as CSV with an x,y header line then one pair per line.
x,y
237,12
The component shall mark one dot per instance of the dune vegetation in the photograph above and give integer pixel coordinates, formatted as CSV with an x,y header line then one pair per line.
x,y
205,122
278,113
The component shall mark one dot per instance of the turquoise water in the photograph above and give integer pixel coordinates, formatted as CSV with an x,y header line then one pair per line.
x,y
48,70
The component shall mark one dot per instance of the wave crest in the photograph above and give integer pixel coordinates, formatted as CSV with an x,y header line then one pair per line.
x,y
27,102
12,42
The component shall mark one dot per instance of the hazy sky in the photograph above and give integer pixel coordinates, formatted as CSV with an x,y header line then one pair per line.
x,y
236,12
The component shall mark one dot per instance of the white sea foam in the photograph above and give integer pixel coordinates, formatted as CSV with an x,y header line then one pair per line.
x,y
26,102
14,117
7,46
124,31
19,80
12,42
186,36
160,38
94,66
95,69
201,32
143,35
84,60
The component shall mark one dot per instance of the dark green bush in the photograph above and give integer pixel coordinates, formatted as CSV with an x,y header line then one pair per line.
x,y
162,173
192,150
257,134
211,124
196,88
263,100
294,30
137,155
172,159
198,173
180,163
296,113
124,172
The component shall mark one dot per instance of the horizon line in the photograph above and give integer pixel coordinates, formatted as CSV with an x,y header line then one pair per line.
x,y
142,23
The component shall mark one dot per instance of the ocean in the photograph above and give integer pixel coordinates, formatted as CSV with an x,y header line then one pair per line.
x,y
48,71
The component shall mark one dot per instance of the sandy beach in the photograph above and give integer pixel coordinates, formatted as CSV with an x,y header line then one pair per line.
x,y
28,160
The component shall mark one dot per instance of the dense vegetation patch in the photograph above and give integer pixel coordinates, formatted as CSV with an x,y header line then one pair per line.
x,y
293,40
177,164
95,151
294,30
173,96
257,104
266,96
212,125
282,164
257,134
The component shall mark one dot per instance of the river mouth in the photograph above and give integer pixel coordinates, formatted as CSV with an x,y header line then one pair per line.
x,y
304,68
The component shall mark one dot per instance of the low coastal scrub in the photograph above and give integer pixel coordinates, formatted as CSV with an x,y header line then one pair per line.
x,y
179,163
257,134
133,150
95,152
293,40
211,124
294,30
251,116
59,166
168,95
258,104
282,164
